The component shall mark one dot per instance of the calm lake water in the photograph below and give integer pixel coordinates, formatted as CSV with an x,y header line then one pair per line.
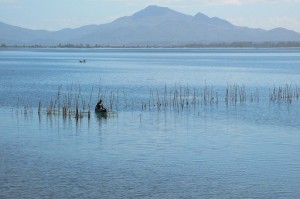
x,y
172,133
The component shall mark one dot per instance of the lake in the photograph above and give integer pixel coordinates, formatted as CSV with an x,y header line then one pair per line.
x,y
184,123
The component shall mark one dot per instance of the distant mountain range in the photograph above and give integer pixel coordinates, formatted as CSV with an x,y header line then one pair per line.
x,y
153,25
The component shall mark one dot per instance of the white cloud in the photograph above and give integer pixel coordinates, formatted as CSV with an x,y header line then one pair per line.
x,y
7,2
240,2
209,2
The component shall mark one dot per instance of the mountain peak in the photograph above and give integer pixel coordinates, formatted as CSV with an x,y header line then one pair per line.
x,y
215,21
200,16
153,10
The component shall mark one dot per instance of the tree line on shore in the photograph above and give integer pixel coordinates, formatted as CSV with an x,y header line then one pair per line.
x,y
191,45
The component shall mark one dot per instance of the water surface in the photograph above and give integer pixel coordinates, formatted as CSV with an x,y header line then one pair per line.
x,y
218,150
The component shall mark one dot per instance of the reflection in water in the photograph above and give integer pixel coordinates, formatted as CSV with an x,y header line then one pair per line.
x,y
69,122
102,115
155,154
102,118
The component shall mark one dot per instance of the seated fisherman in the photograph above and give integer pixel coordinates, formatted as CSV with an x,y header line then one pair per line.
x,y
100,106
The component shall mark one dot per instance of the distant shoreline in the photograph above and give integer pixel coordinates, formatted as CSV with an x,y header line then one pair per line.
x,y
193,45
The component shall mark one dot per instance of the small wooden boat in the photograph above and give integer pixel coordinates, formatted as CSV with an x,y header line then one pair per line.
x,y
101,113
101,110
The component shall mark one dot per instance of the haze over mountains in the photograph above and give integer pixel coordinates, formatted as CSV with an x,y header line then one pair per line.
x,y
153,25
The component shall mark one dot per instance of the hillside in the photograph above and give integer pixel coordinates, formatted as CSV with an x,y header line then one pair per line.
x,y
153,25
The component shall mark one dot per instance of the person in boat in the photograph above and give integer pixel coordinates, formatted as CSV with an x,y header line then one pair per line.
x,y
100,106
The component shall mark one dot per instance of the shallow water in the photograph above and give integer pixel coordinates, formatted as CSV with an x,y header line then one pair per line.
x,y
243,150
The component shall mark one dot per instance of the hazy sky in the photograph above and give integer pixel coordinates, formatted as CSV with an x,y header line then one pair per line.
x,y
58,14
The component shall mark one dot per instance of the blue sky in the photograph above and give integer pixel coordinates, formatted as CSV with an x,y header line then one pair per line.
x,y
58,14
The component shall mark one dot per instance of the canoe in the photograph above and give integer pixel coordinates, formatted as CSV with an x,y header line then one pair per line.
x,y
101,113
101,110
